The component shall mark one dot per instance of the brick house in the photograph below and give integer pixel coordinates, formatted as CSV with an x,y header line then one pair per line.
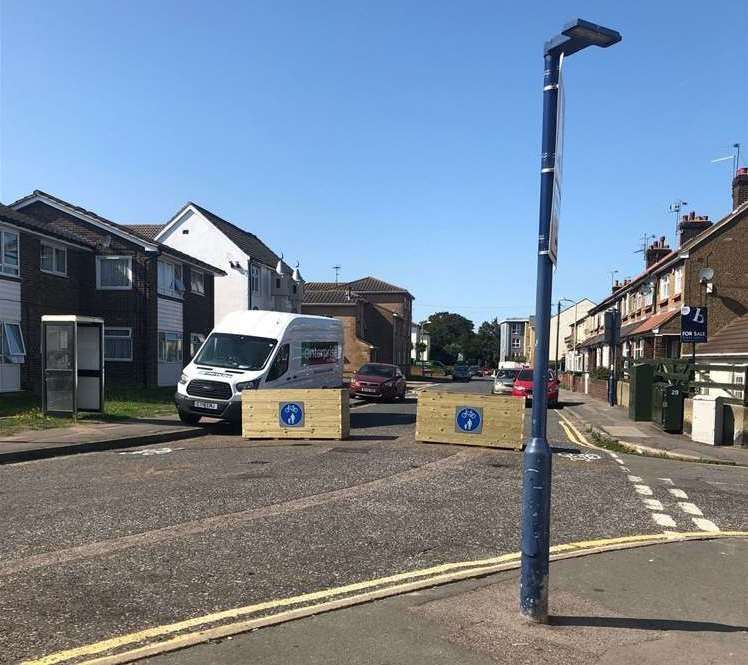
x,y
156,302
255,276
650,303
375,314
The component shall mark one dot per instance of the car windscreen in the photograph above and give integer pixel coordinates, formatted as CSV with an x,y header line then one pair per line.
x,y
508,374
525,375
235,351
377,370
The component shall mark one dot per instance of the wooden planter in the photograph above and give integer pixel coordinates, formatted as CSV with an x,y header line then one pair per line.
x,y
295,414
440,418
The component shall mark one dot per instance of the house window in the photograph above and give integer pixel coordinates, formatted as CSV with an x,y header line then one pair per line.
x,y
9,253
678,285
196,341
280,364
114,272
277,283
118,344
170,281
648,294
254,272
54,259
169,347
12,348
664,287
516,343
197,282
516,329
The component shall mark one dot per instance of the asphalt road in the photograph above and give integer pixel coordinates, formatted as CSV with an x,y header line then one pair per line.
x,y
103,544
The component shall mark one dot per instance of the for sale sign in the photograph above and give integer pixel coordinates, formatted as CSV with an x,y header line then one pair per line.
x,y
693,322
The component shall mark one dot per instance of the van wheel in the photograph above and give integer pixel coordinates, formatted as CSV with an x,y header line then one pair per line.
x,y
188,418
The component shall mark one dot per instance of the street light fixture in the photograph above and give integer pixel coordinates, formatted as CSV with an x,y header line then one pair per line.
x,y
536,480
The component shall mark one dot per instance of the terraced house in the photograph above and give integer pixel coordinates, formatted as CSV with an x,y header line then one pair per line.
x,y
59,258
650,303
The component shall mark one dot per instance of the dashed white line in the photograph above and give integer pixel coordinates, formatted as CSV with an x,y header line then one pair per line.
x,y
634,479
667,480
618,459
644,490
653,504
625,469
704,524
678,494
690,508
663,520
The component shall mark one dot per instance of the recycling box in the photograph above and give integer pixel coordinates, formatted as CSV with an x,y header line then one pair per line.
x,y
494,421
321,413
707,419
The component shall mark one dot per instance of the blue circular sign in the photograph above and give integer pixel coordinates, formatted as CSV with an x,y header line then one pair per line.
x,y
291,414
468,420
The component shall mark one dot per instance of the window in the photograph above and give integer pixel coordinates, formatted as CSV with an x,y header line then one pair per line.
x,y
170,279
12,347
196,341
280,364
118,344
277,283
516,343
197,281
664,287
114,272
254,272
319,353
169,347
648,294
54,259
9,253
516,329
678,284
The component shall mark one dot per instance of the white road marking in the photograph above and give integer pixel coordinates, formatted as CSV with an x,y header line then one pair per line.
x,y
690,508
147,452
704,524
653,504
663,520
667,480
614,455
618,459
625,469
634,479
643,489
678,494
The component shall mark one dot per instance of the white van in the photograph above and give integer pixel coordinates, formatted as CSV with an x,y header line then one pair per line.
x,y
251,350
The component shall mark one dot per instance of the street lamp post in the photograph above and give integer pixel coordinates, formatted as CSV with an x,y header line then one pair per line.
x,y
558,325
536,480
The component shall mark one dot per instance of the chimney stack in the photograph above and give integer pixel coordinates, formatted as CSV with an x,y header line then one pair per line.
x,y
616,286
690,226
740,187
658,250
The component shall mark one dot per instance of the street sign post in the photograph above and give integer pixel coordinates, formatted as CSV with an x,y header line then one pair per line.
x,y
552,249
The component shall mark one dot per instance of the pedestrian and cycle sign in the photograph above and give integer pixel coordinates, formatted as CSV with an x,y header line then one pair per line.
x,y
468,420
291,414
693,324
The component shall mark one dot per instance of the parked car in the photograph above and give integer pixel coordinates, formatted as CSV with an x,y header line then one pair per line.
x,y
378,381
487,371
523,386
504,381
461,373
251,350
475,370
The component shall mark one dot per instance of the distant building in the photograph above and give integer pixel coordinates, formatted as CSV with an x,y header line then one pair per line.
x,y
376,316
517,339
564,324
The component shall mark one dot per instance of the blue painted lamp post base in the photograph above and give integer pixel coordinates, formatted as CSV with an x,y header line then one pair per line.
x,y
536,492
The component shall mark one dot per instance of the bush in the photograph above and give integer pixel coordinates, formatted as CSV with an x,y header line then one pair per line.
x,y
600,373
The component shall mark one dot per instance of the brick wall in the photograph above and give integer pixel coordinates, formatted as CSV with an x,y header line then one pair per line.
x,y
198,311
599,389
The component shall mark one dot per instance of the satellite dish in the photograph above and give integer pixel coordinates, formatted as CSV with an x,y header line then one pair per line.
x,y
706,275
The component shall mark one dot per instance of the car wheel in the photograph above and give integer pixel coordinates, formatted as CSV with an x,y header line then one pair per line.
x,y
188,418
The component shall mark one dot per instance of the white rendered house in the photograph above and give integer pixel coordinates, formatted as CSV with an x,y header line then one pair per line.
x,y
256,277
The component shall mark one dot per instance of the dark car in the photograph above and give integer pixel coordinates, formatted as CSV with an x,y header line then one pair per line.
x,y
378,381
461,373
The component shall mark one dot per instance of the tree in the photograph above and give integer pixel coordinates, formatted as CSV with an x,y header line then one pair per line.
x,y
488,342
450,335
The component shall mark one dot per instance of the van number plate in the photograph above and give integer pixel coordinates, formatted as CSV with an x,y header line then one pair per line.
x,y
206,405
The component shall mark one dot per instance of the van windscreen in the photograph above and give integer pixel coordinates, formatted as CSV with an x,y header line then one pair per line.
x,y
235,351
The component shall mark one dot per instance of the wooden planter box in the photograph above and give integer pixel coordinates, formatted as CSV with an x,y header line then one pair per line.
x,y
500,421
295,414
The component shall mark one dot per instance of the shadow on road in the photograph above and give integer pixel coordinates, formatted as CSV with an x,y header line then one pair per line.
x,y
378,419
646,624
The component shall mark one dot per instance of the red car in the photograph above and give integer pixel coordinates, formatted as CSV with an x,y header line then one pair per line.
x,y
378,381
523,386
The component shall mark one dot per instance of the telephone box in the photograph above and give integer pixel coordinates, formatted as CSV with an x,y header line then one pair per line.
x,y
72,364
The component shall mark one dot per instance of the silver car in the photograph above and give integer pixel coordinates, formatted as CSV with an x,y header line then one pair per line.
x,y
503,381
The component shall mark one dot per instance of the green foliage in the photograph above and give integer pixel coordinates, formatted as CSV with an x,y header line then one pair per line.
x,y
453,334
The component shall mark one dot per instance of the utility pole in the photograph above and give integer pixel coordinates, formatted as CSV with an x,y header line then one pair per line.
x,y
337,273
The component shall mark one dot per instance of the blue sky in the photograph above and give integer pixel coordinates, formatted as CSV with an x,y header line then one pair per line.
x,y
398,139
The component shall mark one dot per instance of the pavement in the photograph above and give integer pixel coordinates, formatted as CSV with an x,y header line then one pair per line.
x,y
40,444
678,603
106,545
613,422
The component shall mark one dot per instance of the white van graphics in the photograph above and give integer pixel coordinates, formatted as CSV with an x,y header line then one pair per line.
x,y
252,350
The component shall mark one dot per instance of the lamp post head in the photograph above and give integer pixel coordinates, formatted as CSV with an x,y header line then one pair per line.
x,y
580,34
